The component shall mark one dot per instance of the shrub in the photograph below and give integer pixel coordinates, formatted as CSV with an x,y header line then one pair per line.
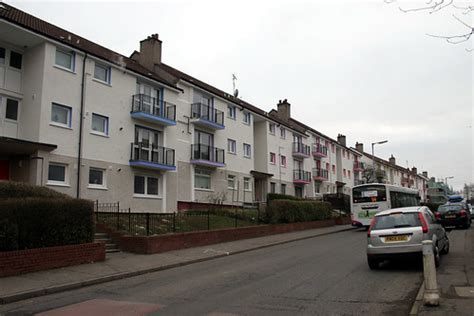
x,y
45,222
277,196
290,211
9,189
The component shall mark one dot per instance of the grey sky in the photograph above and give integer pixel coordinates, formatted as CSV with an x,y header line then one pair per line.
x,y
361,68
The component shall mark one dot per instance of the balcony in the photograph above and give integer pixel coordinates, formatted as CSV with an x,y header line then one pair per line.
x,y
301,150
359,166
320,151
320,174
152,110
301,177
150,156
206,116
208,156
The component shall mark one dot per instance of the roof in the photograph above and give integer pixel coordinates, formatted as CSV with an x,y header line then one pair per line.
x,y
383,161
25,20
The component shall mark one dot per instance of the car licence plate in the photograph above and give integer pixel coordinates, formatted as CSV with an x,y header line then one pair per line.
x,y
450,216
396,238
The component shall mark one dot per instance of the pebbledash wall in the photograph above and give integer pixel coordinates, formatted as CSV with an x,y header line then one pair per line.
x,y
38,149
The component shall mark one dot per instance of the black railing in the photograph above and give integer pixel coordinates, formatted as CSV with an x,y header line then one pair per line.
x,y
153,106
320,173
144,151
320,149
301,175
146,224
301,148
205,112
209,153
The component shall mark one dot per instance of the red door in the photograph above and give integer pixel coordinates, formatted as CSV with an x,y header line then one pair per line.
x,y
4,170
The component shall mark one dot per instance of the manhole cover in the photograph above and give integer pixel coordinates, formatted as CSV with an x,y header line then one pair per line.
x,y
467,291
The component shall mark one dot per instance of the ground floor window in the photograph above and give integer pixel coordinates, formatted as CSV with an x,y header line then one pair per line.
x,y
230,182
283,188
96,177
247,184
317,187
57,173
146,185
202,179
272,187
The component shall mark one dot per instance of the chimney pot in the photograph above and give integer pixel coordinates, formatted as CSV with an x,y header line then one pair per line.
x,y
284,110
150,52
341,139
360,147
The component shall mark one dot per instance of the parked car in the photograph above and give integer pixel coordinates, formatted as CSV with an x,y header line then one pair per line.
x,y
399,232
454,214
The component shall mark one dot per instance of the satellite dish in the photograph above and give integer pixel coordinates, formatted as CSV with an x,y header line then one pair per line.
x,y
236,92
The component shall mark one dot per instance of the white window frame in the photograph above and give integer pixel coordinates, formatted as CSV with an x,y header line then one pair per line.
x,y
231,112
72,67
247,184
247,150
146,195
247,119
203,173
282,133
283,188
281,161
104,179
272,187
69,115
231,143
66,175
108,73
232,178
272,128
106,125
274,160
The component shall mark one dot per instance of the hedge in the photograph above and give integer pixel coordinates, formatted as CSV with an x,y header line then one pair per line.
x,y
45,222
10,189
290,211
277,196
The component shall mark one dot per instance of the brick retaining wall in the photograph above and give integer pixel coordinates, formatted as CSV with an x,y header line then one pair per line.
x,y
32,260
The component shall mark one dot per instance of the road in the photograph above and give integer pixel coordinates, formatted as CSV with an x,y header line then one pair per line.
x,y
326,275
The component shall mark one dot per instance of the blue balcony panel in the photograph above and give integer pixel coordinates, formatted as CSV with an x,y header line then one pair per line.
x,y
206,123
207,163
144,116
151,165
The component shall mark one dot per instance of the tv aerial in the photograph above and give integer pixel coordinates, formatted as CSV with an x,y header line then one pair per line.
x,y
236,91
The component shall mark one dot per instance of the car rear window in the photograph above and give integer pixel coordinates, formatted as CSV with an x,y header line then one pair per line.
x,y
397,220
448,208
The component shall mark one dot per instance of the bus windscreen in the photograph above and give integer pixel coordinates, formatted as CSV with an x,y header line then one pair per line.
x,y
369,193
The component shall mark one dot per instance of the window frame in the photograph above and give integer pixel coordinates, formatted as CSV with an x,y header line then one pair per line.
x,y
104,179
72,68
65,182
69,115
273,158
17,110
203,173
108,73
234,144
247,118
283,188
272,129
106,125
231,112
10,60
247,184
249,147
283,161
282,133
231,177
145,187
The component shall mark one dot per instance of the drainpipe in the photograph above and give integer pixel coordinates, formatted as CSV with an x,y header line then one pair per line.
x,y
81,123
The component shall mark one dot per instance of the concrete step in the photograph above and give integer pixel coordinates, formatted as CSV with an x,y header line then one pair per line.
x,y
112,250
103,239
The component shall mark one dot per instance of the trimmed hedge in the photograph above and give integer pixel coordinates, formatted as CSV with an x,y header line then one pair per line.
x,y
290,211
277,196
19,190
28,223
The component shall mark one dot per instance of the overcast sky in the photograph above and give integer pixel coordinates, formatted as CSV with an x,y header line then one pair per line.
x,y
361,68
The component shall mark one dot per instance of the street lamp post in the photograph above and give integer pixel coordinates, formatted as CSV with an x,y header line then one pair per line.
x,y
373,156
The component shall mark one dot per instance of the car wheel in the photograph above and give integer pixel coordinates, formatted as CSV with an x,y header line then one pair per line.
x,y
436,256
373,263
445,250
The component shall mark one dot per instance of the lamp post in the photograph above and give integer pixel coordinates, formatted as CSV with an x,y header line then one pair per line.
x,y
373,156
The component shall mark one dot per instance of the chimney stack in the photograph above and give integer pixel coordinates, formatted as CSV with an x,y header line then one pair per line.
x,y
391,160
341,139
414,171
284,110
360,147
150,52
425,174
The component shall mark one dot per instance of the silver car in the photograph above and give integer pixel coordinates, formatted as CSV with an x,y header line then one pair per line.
x,y
399,232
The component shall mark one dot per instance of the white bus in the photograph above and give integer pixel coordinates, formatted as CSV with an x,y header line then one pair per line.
x,y
369,199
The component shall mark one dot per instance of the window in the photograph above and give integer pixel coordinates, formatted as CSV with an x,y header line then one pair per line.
x,y
272,187
343,153
231,182
61,115
202,179
145,185
247,118
102,73
96,177
231,146
100,124
231,113
349,174
344,172
283,161
65,59
56,173
247,184
333,169
283,188
272,158
247,151
15,60
282,132
317,187
2,55
12,110
333,148
271,128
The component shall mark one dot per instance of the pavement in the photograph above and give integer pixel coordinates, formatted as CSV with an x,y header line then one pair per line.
x,y
123,265
455,278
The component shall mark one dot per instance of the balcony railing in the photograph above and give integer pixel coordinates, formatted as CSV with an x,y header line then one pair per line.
x,y
153,110
320,174
205,115
151,156
301,176
301,150
359,166
320,151
207,155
